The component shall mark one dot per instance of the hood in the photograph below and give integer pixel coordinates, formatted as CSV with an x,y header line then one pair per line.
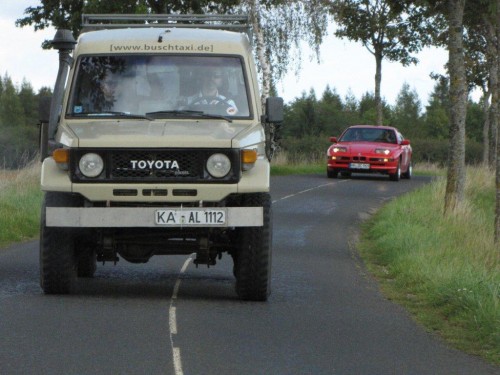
x,y
367,147
141,133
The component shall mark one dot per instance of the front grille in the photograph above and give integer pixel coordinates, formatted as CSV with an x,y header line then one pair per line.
x,y
156,165
359,158
161,164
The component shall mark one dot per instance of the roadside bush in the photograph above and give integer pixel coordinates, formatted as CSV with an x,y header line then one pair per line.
x,y
436,151
312,149
308,149
430,150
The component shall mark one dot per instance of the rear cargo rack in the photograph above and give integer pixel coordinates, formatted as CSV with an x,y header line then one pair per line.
x,y
238,23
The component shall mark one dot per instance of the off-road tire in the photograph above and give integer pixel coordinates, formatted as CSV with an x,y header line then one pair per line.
x,y
252,263
57,250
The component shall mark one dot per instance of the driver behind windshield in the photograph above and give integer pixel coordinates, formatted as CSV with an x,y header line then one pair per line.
x,y
209,96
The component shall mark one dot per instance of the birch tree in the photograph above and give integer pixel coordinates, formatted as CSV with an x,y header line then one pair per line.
x,y
279,27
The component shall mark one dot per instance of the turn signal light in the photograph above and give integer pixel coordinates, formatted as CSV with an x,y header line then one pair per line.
x,y
61,157
248,159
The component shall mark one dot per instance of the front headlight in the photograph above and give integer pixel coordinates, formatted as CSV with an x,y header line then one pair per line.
x,y
218,165
91,165
339,149
383,151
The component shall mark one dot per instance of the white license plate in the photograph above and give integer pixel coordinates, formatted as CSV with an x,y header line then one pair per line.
x,y
359,166
193,217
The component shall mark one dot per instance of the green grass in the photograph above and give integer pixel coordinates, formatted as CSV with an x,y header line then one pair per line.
x,y
445,270
282,170
20,198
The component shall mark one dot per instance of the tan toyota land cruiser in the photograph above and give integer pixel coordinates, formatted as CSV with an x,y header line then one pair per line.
x,y
156,144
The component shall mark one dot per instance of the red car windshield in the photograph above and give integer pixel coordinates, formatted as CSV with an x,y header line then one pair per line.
x,y
369,135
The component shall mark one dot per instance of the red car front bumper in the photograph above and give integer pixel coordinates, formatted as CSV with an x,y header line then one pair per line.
x,y
362,164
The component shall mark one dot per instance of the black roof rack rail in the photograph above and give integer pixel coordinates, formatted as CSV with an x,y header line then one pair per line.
x,y
239,23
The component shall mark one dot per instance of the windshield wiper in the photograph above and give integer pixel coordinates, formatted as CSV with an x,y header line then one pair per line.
x,y
188,113
113,113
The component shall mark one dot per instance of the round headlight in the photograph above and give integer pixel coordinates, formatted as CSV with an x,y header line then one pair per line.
x,y
218,165
91,165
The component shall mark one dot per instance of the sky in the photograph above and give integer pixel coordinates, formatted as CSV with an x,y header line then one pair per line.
x,y
346,67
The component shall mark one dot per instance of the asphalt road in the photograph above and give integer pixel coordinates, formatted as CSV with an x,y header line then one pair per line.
x,y
325,314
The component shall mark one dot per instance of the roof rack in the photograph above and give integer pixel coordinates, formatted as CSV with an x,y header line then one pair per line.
x,y
239,23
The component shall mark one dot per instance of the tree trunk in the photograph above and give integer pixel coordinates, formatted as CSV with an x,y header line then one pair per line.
x,y
496,138
493,121
492,115
378,80
455,186
497,197
486,127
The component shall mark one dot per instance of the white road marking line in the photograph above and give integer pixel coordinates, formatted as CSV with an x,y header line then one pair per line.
x,y
177,361
176,288
172,314
305,191
172,321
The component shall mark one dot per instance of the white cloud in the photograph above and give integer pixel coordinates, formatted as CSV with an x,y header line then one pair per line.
x,y
349,67
21,54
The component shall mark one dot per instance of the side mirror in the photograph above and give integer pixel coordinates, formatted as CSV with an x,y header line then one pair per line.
x,y
44,116
44,108
274,110
333,139
405,142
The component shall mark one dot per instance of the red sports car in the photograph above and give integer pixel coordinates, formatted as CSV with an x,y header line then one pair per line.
x,y
370,149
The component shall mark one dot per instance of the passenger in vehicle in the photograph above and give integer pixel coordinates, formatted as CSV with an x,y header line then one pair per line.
x,y
118,93
108,87
389,137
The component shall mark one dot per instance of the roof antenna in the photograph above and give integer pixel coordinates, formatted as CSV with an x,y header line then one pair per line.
x,y
160,37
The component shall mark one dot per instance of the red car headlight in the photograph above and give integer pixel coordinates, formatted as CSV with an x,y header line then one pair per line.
x,y
339,149
382,151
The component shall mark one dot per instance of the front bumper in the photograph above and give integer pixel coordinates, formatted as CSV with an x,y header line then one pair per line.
x,y
376,164
140,217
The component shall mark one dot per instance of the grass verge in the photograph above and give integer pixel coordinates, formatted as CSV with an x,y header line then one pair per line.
x,y
20,198
445,270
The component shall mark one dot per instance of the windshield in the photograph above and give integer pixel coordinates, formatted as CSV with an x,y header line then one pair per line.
x,y
159,86
369,135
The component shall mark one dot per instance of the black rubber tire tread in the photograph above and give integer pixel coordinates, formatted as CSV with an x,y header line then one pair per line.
x,y
57,254
332,173
396,176
254,259
408,174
